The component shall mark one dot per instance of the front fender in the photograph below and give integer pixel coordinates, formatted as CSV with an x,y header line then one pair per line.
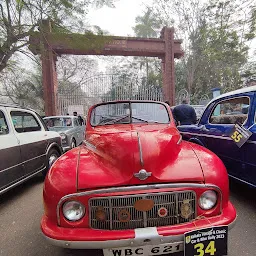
x,y
54,145
60,181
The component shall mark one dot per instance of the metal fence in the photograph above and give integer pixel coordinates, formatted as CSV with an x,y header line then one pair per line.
x,y
106,87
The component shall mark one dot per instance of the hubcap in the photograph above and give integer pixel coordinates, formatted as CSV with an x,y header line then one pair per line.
x,y
52,159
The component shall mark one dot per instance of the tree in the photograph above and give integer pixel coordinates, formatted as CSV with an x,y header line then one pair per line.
x,y
147,26
215,35
18,18
24,88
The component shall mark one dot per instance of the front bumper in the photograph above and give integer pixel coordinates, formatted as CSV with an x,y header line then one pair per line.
x,y
87,238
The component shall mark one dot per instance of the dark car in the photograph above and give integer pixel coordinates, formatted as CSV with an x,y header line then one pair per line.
x,y
26,146
213,131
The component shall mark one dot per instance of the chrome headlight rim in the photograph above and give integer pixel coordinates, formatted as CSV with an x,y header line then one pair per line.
x,y
73,210
208,200
63,136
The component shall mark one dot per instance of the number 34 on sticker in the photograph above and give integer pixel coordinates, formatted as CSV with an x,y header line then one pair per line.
x,y
202,250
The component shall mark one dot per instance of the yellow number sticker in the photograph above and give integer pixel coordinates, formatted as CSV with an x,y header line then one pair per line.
x,y
200,249
209,249
236,136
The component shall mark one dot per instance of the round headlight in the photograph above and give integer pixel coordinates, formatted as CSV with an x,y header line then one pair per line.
x,y
73,210
63,136
208,200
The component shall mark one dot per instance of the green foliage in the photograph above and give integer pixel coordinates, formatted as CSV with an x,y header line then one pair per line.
x,y
147,25
24,88
216,35
75,41
19,18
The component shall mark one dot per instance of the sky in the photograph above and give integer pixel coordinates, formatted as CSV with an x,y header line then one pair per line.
x,y
118,21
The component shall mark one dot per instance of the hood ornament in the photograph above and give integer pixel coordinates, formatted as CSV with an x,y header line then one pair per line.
x,y
142,174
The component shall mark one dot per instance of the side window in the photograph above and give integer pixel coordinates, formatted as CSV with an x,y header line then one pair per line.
x,y
24,122
231,111
3,125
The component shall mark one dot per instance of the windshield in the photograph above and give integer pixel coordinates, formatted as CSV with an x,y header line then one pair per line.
x,y
58,122
129,112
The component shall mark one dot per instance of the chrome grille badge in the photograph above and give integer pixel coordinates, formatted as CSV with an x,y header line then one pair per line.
x,y
142,174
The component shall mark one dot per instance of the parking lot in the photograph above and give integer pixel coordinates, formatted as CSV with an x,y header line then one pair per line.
x,y
22,208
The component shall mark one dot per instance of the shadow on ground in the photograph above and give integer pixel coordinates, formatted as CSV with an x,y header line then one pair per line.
x,y
14,193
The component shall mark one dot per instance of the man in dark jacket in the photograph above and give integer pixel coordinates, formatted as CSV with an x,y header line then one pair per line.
x,y
184,113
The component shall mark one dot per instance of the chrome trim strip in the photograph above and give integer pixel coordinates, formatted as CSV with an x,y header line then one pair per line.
x,y
21,181
89,145
251,141
136,241
22,163
179,141
206,135
53,144
243,181
214,136
16,165
131,242
133,188
140,150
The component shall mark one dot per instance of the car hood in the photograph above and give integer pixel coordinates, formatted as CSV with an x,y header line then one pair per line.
x,y
111,157
60,129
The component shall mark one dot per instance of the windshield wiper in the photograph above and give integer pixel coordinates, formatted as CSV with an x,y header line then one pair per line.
x,y
113,120
143,120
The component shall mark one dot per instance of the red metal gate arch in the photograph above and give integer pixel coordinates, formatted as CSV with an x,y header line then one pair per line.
x,y
166,48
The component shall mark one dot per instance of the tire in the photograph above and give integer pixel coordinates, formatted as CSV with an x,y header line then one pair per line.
x,y
73,144
52,156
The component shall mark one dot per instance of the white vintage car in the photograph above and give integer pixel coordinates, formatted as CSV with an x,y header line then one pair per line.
x,y
26,146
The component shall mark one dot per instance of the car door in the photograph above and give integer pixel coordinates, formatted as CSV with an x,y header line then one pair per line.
x,y
248,173
224,114
32,137
11,168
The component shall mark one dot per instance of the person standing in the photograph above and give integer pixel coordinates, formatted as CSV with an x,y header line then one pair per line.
x,y
184,113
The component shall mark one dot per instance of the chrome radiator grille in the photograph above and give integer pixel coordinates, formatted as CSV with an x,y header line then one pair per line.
x,y
111,206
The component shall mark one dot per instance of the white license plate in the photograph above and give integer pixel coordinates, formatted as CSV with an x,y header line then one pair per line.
x,y
145,250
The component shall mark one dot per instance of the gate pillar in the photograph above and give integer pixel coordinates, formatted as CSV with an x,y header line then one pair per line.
x,y
168,66
53,44
50,81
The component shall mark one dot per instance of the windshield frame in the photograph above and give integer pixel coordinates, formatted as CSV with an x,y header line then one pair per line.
x,y
131,114
59,117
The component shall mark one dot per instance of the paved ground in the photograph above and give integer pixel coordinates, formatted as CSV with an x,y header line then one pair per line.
x,y
21,210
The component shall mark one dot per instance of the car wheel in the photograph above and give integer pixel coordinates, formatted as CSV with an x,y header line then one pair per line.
x,y
73,143
52,156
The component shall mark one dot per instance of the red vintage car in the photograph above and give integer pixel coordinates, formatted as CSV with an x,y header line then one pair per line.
x,y
136,188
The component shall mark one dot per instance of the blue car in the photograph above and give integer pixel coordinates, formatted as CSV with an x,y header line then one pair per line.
x,y
217,131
